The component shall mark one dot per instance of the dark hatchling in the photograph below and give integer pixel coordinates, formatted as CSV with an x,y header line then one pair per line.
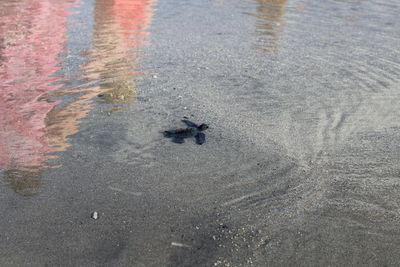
x,y
193,130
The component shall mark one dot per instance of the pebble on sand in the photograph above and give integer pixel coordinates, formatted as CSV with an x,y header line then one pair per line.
x,y
94,215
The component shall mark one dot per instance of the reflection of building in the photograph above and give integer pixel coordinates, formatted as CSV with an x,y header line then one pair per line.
x,y
32,34
31,39
119,32
23,181
270,22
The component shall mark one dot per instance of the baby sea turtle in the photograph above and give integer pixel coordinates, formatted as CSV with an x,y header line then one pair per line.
x,y
193,130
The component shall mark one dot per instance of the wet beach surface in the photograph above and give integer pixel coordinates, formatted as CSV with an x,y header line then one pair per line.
x,y
301,165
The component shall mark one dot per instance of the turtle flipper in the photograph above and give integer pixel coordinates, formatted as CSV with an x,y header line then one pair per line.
x,y
175,138
178,140
168,134
200,138
190,123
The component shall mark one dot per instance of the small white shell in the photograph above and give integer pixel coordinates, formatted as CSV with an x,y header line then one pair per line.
x,y
95,215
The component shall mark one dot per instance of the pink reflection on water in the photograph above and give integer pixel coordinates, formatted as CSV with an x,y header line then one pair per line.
x,y
32,35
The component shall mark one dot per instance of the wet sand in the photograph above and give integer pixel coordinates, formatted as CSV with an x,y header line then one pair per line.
x,y
301,161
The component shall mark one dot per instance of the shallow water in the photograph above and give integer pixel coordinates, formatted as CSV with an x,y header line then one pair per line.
x,y
300,164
